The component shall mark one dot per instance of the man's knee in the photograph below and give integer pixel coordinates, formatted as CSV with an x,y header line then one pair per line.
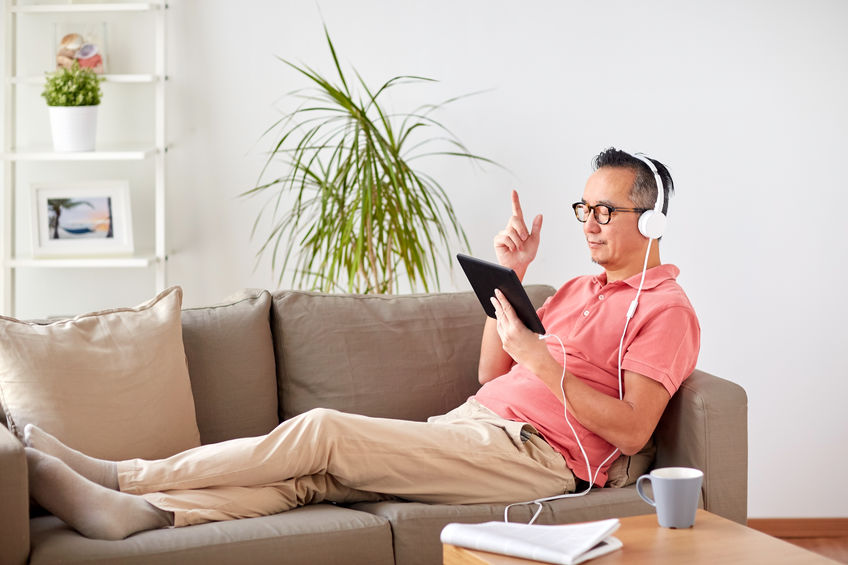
x,y
324,425
321,413
322,417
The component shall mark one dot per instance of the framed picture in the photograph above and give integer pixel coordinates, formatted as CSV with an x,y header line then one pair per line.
x,y
81,219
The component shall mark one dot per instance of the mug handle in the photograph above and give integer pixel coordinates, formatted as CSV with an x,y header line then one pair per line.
x,y
642,494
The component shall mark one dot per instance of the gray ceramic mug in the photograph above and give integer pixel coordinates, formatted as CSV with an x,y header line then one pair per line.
x,y
676,491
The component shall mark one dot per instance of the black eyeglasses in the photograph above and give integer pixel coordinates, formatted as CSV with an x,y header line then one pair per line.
x,y
602,212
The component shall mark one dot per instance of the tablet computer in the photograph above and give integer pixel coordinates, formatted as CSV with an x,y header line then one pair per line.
x,y
485,277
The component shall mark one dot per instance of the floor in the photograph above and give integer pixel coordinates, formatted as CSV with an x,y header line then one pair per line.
x,y
835,548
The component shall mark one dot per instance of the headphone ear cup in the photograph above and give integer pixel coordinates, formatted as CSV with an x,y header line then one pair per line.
x,y
652,224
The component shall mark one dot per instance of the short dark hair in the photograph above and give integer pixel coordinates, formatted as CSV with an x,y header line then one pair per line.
x,y
643,193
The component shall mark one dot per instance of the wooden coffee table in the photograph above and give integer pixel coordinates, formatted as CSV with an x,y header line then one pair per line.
x,y
712,540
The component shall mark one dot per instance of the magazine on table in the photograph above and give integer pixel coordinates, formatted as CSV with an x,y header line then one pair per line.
x,y
566,544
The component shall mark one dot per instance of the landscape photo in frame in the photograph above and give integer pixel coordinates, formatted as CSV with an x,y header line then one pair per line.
x,y
82,219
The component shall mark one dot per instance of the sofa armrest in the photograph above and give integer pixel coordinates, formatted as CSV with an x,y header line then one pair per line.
x,y
14,500
706,426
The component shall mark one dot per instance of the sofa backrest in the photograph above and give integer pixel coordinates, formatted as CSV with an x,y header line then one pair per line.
x,y
405,356
705,426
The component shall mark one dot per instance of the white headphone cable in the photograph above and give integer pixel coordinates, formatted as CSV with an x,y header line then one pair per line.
x,y
593,477
631,311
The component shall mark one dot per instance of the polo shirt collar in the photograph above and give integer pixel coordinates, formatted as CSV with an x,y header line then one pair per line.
x,y
653,276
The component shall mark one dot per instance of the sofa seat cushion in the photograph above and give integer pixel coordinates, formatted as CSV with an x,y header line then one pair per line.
x,y
231,364
416,527
321,533
406,356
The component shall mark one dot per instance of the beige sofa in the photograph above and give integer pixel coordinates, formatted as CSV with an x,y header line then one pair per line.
x,y
267,357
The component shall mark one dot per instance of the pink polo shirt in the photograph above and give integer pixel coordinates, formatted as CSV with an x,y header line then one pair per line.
x,y
588,314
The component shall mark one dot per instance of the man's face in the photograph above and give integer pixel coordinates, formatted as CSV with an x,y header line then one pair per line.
x,y
618,245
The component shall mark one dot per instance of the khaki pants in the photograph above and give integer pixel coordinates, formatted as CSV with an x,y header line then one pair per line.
x,y
469,455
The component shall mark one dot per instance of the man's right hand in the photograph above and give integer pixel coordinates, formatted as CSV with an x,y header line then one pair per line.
x,y
515,247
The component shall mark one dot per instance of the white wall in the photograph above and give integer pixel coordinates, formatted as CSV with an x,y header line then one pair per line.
x,y
745,102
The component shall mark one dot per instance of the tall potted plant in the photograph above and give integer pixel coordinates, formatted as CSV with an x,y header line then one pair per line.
x,y
73,96
361,217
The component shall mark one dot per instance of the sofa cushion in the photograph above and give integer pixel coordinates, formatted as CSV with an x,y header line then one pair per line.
x,y
112,384
416,527
407,356
231,365
320,533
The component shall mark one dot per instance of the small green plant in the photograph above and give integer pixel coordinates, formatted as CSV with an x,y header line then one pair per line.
x,y
76,86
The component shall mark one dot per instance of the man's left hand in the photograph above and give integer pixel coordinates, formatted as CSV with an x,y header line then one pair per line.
x,y
523,345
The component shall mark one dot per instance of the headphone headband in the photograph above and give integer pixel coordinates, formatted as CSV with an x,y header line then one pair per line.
x,y
652,222
660,202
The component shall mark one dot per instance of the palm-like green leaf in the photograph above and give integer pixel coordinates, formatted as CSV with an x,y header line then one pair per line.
x,y
360,216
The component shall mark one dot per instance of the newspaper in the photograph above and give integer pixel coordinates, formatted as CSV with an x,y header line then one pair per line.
x,y
567,544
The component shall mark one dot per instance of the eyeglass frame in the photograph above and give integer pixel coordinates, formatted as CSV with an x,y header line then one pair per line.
x,y
593,211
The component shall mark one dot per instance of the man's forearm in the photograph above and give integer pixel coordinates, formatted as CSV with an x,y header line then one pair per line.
x,y
494,361
615,420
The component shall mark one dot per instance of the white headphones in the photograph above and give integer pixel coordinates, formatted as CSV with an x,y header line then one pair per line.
x,y
652,222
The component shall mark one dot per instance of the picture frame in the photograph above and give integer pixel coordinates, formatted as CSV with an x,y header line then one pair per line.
x,y
78,219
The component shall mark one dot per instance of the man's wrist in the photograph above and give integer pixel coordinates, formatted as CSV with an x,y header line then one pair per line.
x,y
546,366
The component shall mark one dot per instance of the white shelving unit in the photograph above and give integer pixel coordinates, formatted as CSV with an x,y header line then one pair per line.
x,y
92,7
13,155
106,77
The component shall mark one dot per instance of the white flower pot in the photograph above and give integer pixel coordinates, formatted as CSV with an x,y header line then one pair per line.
x,y
74,127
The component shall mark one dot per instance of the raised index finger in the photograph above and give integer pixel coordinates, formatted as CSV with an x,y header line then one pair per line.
x,y
516,206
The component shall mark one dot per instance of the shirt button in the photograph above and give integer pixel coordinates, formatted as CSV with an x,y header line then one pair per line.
x,y
585,312
601,297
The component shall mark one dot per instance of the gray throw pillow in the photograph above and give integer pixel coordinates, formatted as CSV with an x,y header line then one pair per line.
x,y
231,367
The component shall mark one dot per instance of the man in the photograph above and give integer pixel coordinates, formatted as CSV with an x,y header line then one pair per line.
x,y
514,428
659,349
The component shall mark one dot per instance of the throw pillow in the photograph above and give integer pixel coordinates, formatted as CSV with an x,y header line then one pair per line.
x,y
231,364
112,384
